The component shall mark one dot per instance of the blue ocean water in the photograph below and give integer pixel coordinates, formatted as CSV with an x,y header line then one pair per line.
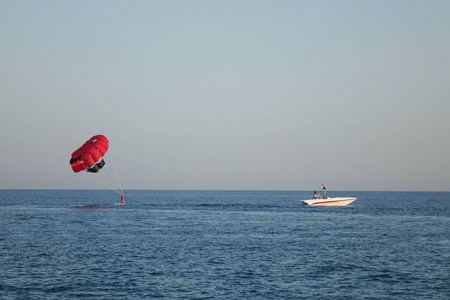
x,y
60,244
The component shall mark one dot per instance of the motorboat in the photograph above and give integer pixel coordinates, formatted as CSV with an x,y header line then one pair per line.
x,y
339,201
319,200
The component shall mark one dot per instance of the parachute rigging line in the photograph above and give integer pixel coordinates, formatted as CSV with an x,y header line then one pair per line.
x,y
109,177
115,171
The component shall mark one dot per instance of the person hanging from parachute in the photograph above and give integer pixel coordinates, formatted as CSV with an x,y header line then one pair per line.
x,y
89,158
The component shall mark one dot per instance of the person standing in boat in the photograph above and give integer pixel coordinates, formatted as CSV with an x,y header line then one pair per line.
x,y
315,195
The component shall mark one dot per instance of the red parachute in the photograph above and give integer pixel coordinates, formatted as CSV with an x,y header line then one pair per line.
x,y
89,157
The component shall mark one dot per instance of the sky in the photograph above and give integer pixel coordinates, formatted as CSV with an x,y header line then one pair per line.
x,y
228,95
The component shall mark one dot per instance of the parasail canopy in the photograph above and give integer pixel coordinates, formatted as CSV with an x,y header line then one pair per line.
x,y
89,156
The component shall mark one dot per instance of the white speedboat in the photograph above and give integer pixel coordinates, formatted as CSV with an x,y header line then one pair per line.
x,y
339,201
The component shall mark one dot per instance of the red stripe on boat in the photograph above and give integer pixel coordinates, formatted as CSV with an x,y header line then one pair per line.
x,y
318,203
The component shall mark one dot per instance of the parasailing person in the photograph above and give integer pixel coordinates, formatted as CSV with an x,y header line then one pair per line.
x,y
90,158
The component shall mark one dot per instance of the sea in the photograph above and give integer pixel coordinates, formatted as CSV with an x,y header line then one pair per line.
x,y
79,244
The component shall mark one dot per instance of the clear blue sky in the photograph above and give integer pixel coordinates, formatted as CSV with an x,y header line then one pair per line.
x,y
274,95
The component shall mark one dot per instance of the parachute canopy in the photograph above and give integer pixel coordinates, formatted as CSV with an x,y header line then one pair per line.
x,y
89,157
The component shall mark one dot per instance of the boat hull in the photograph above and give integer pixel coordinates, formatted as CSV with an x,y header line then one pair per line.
x,y
339,201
